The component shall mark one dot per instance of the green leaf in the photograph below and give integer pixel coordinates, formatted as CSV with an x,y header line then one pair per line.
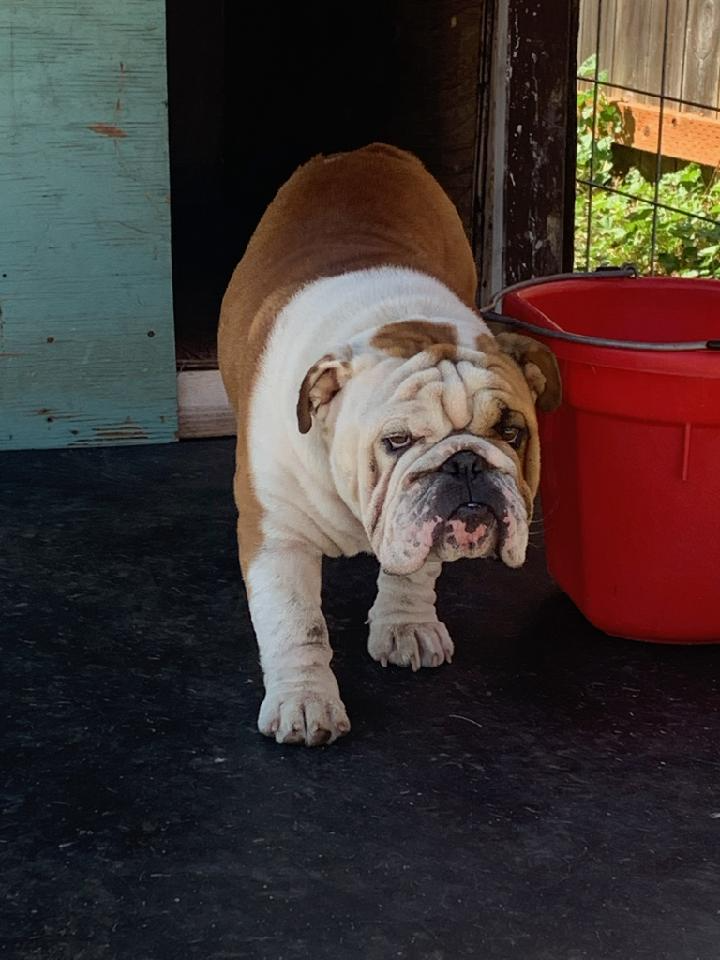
x,y
587,69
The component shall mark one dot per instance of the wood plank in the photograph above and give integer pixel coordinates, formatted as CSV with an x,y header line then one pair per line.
x,y
639,29
587,30
677,29
203,407
685,136
606,56
701,71
588,40
86,332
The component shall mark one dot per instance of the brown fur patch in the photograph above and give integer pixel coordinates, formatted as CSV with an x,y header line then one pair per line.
x,y
486,343
518,396
408,337
539,367
536,362
443,351
373,207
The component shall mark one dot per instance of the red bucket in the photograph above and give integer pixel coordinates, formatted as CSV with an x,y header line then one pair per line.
x,y
631,460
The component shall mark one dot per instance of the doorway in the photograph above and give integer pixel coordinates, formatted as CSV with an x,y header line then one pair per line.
x,y
257,89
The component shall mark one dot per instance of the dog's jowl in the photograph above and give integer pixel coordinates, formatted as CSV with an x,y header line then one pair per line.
x,y
375,413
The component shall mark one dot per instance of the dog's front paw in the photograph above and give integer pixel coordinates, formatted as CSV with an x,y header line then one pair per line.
x,y
410,644
305,715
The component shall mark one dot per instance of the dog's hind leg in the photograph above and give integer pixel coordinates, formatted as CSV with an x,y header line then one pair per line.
x,y
404,628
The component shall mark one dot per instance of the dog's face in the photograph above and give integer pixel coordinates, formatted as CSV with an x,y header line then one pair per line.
x,y
434,447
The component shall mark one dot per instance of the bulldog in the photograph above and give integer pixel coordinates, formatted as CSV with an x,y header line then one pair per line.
x,y
376,413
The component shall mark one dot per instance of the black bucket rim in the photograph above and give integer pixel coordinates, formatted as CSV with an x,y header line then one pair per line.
x,y
629,271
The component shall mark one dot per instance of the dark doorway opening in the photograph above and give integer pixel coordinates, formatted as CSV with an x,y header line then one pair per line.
x,y
257,89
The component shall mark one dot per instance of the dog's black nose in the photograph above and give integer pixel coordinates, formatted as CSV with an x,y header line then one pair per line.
x,y
464,465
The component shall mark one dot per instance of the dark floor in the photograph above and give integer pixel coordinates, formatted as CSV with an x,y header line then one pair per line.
x,y
553,795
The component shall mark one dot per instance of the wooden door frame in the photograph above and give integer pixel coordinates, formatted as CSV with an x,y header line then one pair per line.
x,y
524,220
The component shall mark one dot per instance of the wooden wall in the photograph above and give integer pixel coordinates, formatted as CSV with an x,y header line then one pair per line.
x,y
86,333
631,46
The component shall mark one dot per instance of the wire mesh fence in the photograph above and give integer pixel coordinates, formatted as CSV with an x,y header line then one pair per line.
x,y
648,152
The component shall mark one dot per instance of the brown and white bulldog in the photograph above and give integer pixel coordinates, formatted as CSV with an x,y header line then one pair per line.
x,y
375,413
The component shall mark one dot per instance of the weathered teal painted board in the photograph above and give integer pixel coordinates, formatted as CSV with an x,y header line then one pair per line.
x,y
86,330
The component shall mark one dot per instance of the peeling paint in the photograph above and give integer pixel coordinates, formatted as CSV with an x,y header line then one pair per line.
x,y
107,130
537,127
52,415
128,430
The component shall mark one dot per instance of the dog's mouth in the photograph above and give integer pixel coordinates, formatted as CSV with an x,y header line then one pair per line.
x,y
471,530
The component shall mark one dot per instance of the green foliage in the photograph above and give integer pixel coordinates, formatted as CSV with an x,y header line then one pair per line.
x,y
621,229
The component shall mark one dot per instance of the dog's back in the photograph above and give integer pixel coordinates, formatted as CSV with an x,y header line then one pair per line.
x,y
377,206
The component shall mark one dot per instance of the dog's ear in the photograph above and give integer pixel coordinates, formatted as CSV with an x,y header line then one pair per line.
x,y
538,365
322,381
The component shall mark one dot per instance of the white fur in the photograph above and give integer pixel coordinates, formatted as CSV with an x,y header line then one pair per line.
x,y
404,627
304,515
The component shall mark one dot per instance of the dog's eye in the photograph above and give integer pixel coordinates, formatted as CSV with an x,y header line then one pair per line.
x,y
512,435
397,441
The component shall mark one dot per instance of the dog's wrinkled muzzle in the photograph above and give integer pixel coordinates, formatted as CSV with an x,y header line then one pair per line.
x,y
463,504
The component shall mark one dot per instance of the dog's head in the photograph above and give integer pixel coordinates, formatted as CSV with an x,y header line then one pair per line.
x,y
434,446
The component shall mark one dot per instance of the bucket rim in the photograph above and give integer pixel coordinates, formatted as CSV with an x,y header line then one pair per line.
x,y
493,314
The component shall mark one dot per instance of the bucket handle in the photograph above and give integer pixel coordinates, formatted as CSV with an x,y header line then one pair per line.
x,y
492,314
